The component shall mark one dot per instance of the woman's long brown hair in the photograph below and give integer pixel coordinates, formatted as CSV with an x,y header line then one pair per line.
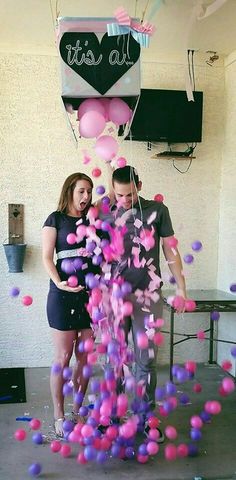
x,y
66,196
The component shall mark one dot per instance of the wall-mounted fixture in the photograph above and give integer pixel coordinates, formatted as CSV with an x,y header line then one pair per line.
x,y
15,248
212,58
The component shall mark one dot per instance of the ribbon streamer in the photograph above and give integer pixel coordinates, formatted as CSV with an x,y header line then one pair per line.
x,y
141,32
198,13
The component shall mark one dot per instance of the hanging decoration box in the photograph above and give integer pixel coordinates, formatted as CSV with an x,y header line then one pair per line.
x,y
94,64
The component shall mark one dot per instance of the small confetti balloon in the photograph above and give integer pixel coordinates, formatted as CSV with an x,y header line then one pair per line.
x,y
100,190
196,246
233,351
14,292
55,446
71,238
20,434
159,198
96,172
215,315
72,281
37,438
188,258
233,287
35,469
27,300
172,242
121,162
35,424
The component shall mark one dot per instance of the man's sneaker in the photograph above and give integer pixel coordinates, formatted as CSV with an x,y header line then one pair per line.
x,y
161,437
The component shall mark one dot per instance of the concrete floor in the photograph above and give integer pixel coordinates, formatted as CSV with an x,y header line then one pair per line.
x,y
216,459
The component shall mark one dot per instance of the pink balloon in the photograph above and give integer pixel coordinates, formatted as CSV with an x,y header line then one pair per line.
x,y
96,172
228,384
196,421
71,238
72,281
90,104
152,448
170,452
106,147
91,124
27,300
182,450
121,162
105,102
142,340
127,309
171,432
119,111
65,451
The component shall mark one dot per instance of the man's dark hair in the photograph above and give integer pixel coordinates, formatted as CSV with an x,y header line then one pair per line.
x,y
125,174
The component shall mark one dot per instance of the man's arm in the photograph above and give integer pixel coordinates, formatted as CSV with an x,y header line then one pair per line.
x,y
173,258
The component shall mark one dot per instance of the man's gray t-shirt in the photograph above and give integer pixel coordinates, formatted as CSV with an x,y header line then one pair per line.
x,y
151,214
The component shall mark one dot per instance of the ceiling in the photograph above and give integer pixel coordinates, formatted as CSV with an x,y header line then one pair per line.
x,y
28,25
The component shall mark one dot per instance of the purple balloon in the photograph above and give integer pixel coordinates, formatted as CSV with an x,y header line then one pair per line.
x,y
83,411
56,369
37,438
206,417
105,226
170,388
78,397
192,450
35,469
67,373
184,399
97,260
68,425
106,200
91,280
14,292
172,280
215,315
77,263
67,389
129,452
188,258
142,449
126,288
159,393
87,371
233,351
233,287
195,434
109,374
102,457
90,453
94,385
100,190
196,246
115,450
67,266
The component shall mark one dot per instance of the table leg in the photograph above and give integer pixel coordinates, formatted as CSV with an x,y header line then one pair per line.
x,y
172,313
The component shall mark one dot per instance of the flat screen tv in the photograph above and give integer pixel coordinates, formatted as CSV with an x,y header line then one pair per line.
x,y
167,116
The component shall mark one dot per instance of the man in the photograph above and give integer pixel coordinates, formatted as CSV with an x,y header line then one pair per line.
x,y
147,224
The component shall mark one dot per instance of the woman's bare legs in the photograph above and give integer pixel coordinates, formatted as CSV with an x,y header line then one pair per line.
x,y
64,342
80,383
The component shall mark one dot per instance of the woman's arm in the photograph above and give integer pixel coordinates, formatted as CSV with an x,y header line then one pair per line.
x,y
49,236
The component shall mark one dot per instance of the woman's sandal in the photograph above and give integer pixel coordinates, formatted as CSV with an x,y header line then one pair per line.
x,y
58,427
77,418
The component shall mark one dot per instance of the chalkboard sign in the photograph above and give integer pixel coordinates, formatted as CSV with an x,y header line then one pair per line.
x,y
100,63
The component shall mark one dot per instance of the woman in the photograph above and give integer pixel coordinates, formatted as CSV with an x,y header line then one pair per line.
x,y
66,305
